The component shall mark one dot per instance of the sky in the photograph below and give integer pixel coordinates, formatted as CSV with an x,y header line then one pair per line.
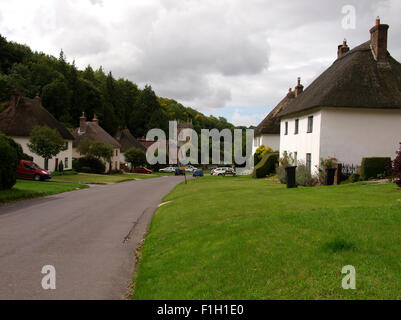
x,y
230,58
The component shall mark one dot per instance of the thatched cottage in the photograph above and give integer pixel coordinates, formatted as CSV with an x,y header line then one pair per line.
x,y
92,131
19,118
127,141
351,111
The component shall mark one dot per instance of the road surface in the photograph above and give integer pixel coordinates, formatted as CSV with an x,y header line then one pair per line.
x,y
89,236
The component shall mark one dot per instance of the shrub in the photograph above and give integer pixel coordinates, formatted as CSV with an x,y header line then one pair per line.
x,y
281,174
372,167
60,167
260,153
9,160
303,176
355,177
266,167
325,164
397,168
89,165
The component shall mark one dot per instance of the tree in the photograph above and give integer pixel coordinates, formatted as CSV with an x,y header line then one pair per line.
x,y
9,160
136,157
46,142
98,150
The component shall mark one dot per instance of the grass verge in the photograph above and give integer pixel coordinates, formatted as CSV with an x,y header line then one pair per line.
x,y
25,189
239,238
104,178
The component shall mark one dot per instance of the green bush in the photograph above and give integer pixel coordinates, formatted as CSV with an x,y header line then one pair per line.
x,y
372,167
260,153
88,165
60,167
281,174
266,166
355,177
303,176
9,160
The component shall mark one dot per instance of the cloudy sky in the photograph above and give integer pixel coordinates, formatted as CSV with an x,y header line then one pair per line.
x,y
231,58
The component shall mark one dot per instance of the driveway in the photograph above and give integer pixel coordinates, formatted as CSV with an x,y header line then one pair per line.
x,y
89,236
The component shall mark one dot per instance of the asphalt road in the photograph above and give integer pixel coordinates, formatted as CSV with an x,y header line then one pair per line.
x,y
89,236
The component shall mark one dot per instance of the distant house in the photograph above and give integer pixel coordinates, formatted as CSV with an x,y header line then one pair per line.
x,y
351,111
127,141
92,131
267,133
19,118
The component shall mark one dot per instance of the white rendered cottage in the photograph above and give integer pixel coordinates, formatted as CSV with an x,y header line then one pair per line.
x,y
351,111
21,115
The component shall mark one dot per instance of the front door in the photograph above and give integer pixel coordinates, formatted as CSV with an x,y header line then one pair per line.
x,y
56,165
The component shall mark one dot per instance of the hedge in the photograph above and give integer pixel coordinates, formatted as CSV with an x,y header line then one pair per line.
x,y
9,159
371,167
88,165
266,166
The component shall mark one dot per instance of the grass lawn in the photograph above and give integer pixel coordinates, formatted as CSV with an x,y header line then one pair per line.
x,y
239,238
104,178
26,189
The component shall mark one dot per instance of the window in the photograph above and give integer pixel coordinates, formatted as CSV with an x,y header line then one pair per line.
x,y
309,161
286,128
296,126
295,158
116,152
310,124
66,144
66,163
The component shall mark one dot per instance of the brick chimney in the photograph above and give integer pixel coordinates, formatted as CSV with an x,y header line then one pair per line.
x,y
378,40
299,88
14,98
95,119
82,123
342,49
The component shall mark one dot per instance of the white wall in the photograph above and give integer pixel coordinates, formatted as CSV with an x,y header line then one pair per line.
x,y
303,142
267,140
352,134
62,156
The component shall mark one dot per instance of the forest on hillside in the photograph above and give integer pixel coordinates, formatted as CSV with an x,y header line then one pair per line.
x,y
66,92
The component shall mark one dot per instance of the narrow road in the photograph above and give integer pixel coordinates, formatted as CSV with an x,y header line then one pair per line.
x,y
89,236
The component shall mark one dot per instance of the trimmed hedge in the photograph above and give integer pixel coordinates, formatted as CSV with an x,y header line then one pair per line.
x,y
88,165
371,167
10,153
266,166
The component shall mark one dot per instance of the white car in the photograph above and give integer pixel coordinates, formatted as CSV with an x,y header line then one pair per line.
x,y
168,170
223,171
190,169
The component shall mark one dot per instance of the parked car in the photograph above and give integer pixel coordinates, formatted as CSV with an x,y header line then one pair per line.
x,y
224,171
197,173
30,170
168,170
179,171
143,170
190,168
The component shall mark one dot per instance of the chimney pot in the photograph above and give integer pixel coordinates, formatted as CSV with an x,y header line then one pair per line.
x,y
95,119
378,40
299,88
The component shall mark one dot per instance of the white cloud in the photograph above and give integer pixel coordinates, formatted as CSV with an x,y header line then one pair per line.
x,y
239,119
206,54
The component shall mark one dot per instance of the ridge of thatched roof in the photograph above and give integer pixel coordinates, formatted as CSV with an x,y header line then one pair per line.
x,y
127,140
94,132
355,80
271,124
19,119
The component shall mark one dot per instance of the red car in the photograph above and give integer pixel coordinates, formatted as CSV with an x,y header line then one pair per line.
x,y
30,170
142,170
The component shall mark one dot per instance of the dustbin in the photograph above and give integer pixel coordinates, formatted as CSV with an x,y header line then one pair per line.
x,y
329,179
290,176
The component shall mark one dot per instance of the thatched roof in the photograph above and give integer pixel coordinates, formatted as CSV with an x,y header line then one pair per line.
x,y
271,124
356,80
127,141
94,132
23,114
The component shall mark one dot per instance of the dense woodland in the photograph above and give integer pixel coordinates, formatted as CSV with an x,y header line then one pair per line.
x,y
67,92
